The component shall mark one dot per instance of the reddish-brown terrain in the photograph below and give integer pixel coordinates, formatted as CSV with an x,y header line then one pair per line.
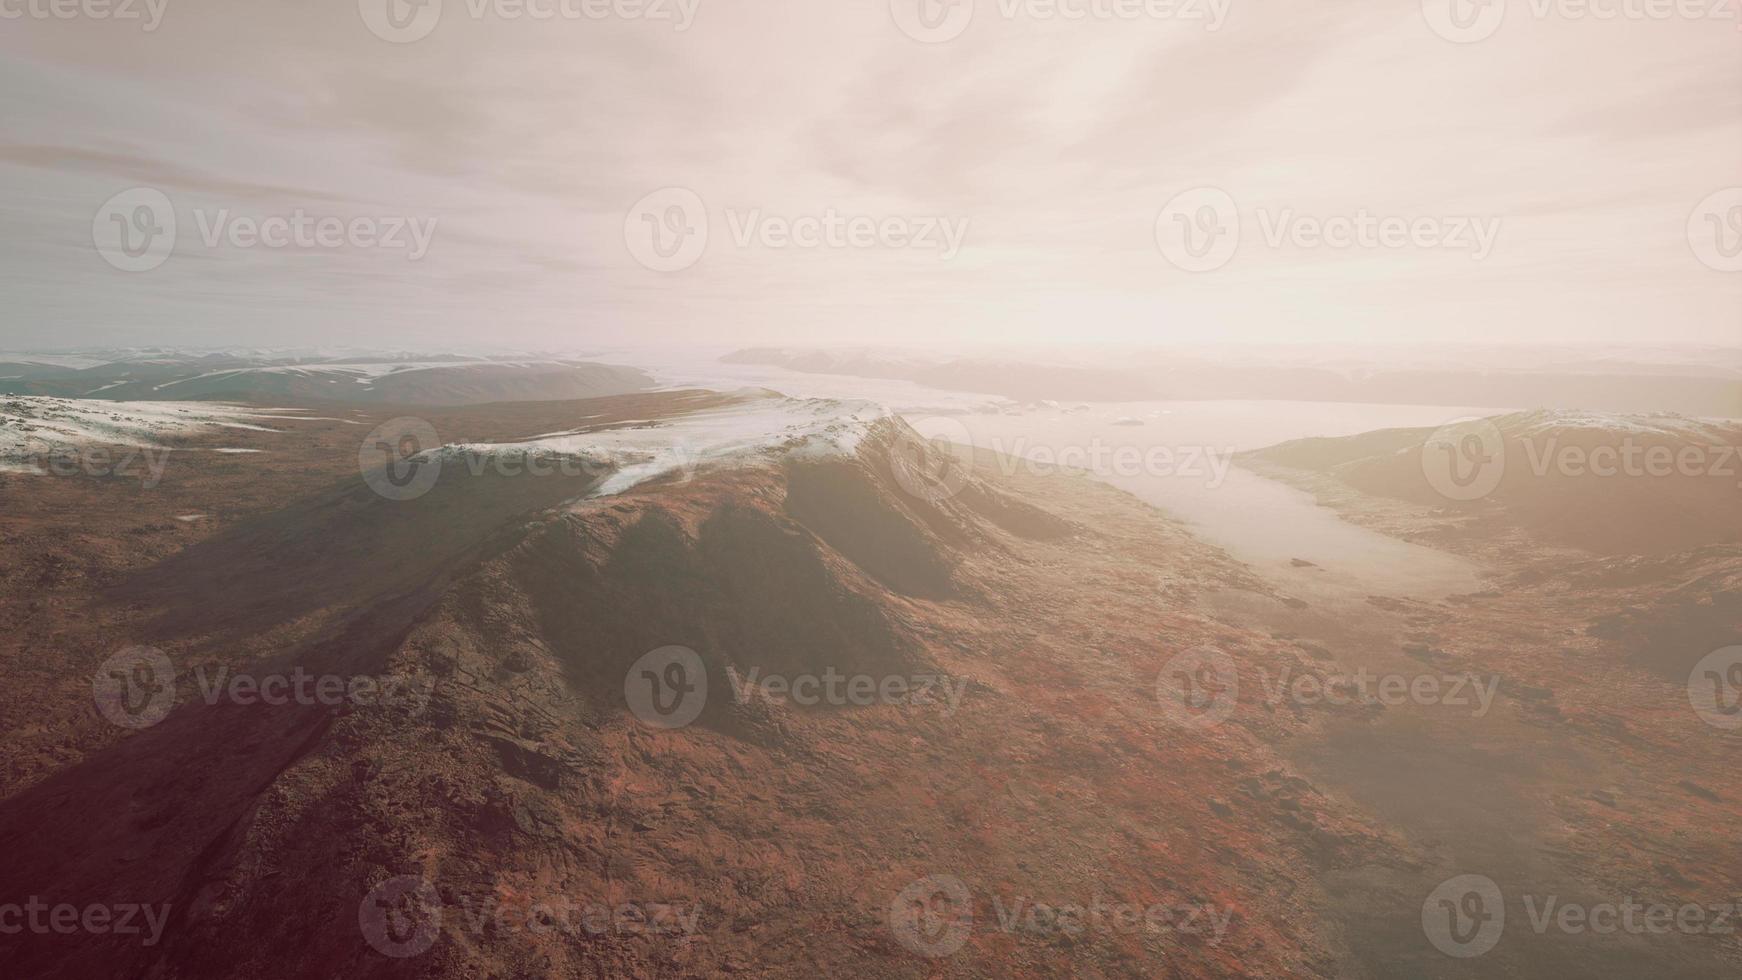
x,y
415,835
1596,780
787,830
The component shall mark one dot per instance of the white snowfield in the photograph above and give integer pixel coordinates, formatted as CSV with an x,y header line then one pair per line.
x,y
756,427
1650,428
32,425
77,362
1660,425
359,372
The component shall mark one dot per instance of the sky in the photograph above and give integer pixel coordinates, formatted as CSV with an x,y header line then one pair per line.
x,y
564,173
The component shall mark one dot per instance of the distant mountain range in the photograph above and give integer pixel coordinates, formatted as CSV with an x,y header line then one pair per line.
x,y
1694,382
159,374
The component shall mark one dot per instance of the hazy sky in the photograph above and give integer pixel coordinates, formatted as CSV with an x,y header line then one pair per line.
x,y
526,149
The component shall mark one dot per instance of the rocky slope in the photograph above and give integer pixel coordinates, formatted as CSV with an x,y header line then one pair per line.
x,y
433,833
1610,484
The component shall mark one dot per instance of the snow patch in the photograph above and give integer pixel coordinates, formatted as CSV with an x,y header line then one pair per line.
x,y
32,422
1658,425
752,428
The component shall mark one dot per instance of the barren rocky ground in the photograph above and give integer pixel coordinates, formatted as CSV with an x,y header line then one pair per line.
x,y
1068,797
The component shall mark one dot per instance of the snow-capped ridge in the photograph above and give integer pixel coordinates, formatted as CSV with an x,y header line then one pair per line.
x,y
757,425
